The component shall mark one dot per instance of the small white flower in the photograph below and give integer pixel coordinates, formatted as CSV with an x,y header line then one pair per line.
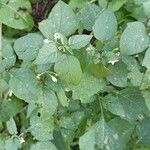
x,y
38,76
10,93
117,54
46,41
54,79
113,61
57,36
67,90
22,140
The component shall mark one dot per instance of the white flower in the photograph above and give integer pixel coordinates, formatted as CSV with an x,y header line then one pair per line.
x,y
10,93
22,140
113,61
54,79
46,41
57,36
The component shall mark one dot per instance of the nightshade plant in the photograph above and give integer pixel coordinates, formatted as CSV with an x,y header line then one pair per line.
x,y
79,82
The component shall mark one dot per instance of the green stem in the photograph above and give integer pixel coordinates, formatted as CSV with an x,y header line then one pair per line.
x,y
101,107
0,54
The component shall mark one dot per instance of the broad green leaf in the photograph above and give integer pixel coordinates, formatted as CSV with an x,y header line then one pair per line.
x,y
146,6
145,62
47,54
146,95
43,146
116,5
25,85
58,140
131,62
48,100
133,42
68,69
88,14
88,86
100,136
70,124
145,81
16,14
12,143
118,76
79,41
85,57
11,126
2,141
98,70
27,46
129,104
31,108
143,131
76,4
9,57
62,97
105,26
41,126
4,86
62,20
10,108
103,3
135,78
124,129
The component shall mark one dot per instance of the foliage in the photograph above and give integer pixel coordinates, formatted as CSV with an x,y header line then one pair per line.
x,y
81,81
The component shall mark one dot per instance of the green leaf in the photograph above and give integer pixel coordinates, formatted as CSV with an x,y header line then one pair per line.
x,y
129,104
10,108
25,85
143,131
62,97
68,69
88,86
16,14
103,3
2,141
47,54
100,136
4,86
76,4
48,100
145,62
43,146
88,14
27,46
11,126
12,143
70,124
116,5
131,62
146,95
136,78
9,58
133,42
41,126
124,129
79,41
62,20
105,26
145,81
98,70
118,76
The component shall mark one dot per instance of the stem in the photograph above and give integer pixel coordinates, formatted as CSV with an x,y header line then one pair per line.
x,y
0,55
101,107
